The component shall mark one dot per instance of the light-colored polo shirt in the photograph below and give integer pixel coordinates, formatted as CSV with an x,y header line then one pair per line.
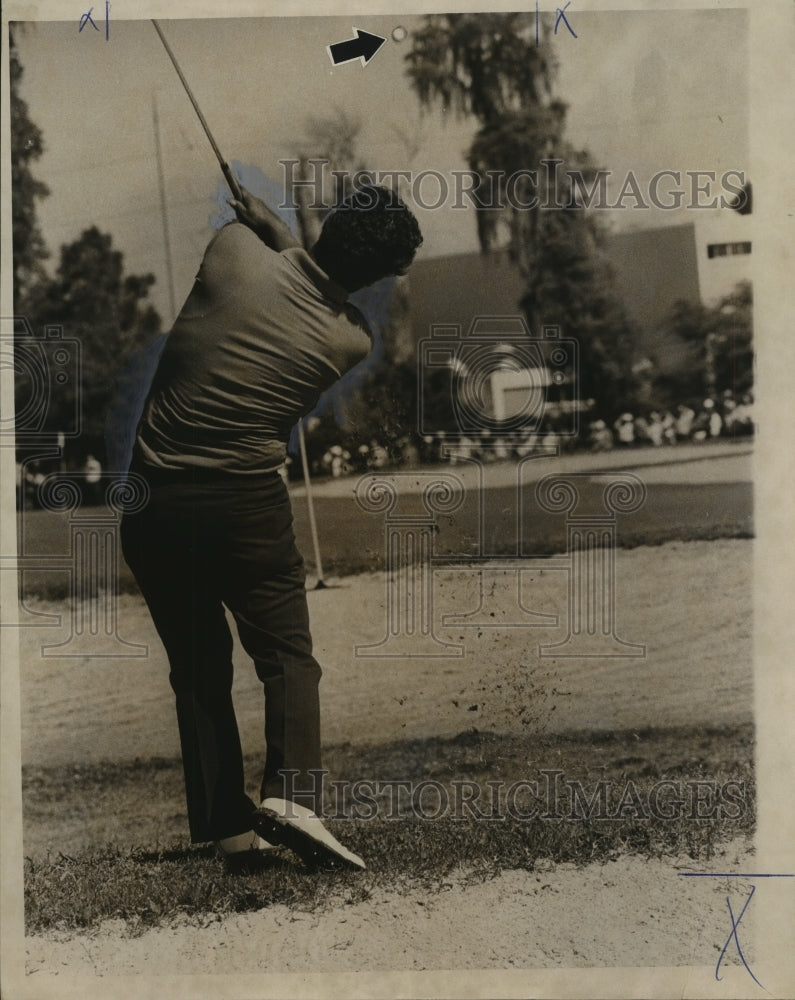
x,y
261,336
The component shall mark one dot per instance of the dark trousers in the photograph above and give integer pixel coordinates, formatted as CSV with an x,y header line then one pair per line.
x,y
195,548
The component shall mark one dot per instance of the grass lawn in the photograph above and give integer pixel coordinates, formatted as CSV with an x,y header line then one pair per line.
x,y
352,541
144,871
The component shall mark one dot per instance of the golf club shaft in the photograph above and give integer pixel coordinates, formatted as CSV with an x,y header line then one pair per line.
x,y
230,178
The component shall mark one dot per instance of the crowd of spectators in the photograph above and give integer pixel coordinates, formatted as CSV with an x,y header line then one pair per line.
x,y
723,417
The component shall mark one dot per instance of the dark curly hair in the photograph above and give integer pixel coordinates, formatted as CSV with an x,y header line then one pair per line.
x,y
371,232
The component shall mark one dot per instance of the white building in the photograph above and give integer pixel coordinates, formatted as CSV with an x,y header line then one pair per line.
x,y
723,249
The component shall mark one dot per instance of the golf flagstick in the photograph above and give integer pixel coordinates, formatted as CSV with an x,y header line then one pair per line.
x,y
321,583
227,172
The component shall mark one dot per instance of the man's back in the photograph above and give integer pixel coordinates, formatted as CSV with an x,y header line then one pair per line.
x,y
260,337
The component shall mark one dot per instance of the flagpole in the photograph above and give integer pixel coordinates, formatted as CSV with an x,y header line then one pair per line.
x,y
311,507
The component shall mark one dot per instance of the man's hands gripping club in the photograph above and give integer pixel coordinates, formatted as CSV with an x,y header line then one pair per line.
x,y
254,213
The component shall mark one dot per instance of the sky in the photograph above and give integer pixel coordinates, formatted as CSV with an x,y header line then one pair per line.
x,y
646,90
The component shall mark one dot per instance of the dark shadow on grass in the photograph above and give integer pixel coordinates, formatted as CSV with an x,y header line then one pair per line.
x,y
242,863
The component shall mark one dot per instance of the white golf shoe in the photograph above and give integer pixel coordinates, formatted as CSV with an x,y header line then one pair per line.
x,y
290,825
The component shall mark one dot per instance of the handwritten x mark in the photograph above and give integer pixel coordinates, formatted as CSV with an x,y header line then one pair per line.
x,y
562,17
734,936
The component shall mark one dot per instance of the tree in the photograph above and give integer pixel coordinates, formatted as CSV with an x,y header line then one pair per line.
x,y
732,342
719,342
106,311
490,67
27,146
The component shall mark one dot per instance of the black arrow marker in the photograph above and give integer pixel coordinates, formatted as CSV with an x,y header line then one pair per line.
x,y
363,47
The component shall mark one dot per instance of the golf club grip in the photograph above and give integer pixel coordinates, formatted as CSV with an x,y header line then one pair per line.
x,y
231,180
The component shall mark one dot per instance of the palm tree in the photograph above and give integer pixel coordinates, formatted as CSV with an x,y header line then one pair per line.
x,y
489,67
500,70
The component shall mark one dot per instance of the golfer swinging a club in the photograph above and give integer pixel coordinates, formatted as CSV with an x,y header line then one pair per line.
x,y
265,330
